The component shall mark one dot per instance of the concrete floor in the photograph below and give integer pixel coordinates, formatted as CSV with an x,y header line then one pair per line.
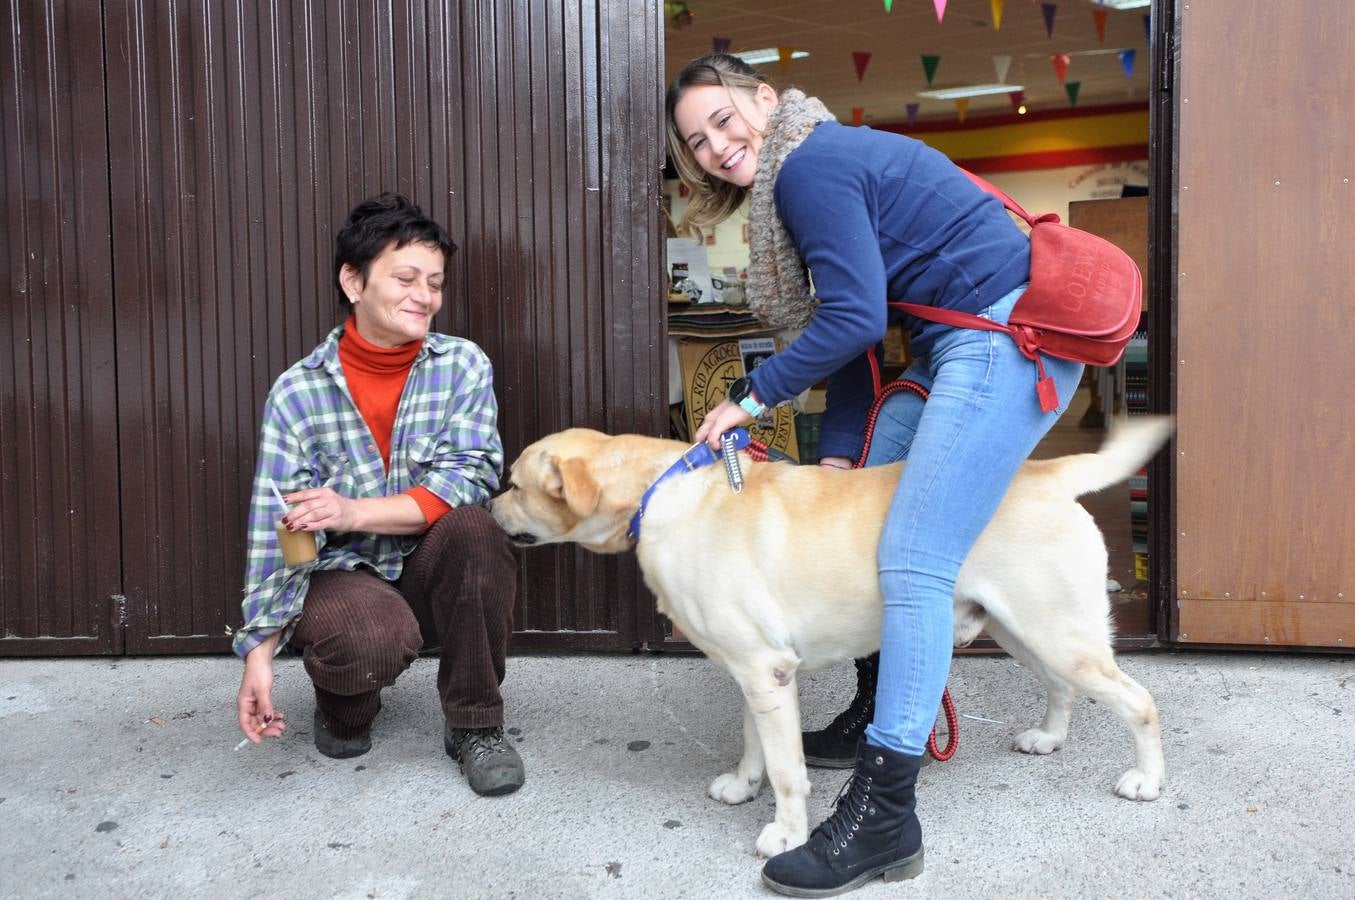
x,y
118,779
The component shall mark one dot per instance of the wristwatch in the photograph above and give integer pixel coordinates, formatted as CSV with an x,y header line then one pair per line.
x,y
741,392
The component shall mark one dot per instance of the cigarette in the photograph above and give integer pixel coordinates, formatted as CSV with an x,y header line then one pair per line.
x,y
244,741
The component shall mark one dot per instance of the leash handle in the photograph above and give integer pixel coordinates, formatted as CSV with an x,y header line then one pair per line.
x,y
729,450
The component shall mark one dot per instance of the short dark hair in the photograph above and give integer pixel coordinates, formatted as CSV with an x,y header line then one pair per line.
x,y
376,224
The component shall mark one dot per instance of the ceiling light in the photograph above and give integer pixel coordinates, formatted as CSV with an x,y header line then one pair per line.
x,y
766,55
1123,4
974,90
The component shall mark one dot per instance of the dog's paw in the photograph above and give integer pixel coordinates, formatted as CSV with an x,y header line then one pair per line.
x,y
1037,741
730,788
1136,785
777,838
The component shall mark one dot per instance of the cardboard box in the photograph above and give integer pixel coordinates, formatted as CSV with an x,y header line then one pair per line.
x,y
708,369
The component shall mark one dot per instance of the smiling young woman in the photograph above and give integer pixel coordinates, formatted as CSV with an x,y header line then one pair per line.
x,y
876,218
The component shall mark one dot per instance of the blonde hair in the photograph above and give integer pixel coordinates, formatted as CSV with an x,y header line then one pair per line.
x,y
713,200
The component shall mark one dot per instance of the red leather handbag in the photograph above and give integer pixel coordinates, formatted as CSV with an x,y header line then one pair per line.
x,y
1082,304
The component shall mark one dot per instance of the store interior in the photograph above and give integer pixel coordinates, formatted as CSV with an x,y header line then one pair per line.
x,y
1047,101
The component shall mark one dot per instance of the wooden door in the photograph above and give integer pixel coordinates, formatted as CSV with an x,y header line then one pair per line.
x,y
1264,458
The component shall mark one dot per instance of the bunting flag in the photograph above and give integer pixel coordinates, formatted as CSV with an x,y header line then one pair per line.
x,y
859,59
1001,64
912,114
784,54
1099,16
858,115
889,4
1072,87
720,45
1049,9
940,10
929,64
1017,98
997,6
1061,61
1148,29
1127,61
961,107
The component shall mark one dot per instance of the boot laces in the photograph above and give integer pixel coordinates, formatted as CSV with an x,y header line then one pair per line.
x,y
850,808
481,742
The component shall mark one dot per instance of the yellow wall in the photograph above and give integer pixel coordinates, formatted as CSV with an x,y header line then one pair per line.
x,y
1042,136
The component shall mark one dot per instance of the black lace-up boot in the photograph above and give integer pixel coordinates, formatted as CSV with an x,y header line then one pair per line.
x,y
834,747
873,831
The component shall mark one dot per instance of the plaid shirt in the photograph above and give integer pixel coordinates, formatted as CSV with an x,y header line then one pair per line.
x,y
445,439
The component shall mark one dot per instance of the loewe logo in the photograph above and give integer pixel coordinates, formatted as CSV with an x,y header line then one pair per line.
x,y
1078,286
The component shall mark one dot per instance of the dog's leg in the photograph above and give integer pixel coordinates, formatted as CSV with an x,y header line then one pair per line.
x,y
1087,664
745,781
1102,680
772,692
1052,731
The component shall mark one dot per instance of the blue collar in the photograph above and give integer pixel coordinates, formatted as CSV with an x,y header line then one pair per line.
x,y
694,457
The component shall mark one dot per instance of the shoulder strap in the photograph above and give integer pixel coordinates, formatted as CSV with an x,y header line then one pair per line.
x,y
951,317
1008,201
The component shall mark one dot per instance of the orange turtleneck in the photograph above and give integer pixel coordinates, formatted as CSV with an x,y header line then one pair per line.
x,y
376,378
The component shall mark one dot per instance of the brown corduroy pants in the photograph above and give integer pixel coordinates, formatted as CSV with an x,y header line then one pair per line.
x,y
358,632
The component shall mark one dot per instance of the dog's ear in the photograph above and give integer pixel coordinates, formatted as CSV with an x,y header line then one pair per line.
x,y
569,480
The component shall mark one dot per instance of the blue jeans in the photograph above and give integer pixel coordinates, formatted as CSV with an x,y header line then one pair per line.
x,y
963,447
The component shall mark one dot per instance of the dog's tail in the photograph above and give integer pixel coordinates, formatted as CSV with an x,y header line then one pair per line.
x,y
1130,444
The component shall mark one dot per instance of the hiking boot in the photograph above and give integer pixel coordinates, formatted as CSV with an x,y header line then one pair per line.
x,y
834,746
491,766
872,833
338,747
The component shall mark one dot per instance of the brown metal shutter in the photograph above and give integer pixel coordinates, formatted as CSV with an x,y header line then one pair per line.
x,y
240,134
59,540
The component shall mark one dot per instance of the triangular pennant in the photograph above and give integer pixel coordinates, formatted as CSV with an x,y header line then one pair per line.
x,y
1061,61
1017,98
961,107
720,45
1127,61
1072,88
1001,64
858,115
1099,16
940,10
929,64
1148,29
889,4
997,6
859,59
1049,9
912,114
784,54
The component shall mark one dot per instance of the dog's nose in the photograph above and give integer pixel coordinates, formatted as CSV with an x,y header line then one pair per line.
x,y
523,540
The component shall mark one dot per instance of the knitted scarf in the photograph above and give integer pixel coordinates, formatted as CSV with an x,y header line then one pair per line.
x,y
778,285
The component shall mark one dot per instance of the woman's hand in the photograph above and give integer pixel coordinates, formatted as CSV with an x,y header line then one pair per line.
x,y
719,420
316,509
254,704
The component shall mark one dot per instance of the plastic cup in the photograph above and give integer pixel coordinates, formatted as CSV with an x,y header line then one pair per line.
x,y
298,547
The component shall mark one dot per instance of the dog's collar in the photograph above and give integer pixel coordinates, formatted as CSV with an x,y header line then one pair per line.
x,y
694,457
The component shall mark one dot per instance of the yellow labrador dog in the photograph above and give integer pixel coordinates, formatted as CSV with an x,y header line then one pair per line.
x,y
782,577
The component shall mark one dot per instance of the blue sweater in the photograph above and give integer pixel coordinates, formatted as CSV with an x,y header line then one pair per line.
x,y
880,217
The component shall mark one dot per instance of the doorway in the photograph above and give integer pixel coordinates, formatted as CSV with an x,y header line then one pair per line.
x,y
1053,109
